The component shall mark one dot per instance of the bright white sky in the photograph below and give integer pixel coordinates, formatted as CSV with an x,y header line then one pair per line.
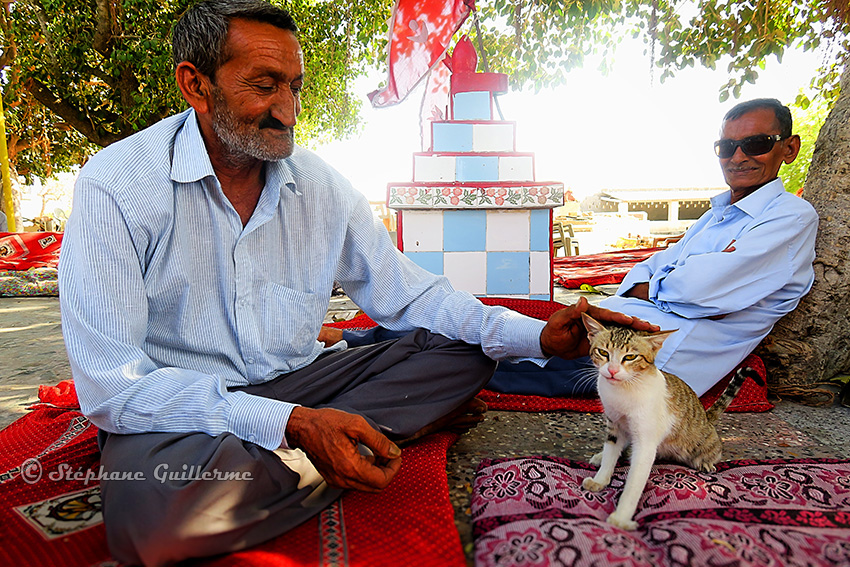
x,y
594,132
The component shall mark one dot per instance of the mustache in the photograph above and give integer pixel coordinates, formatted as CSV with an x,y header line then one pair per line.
x,y
271,122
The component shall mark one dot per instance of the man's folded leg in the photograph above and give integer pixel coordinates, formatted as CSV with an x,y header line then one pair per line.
x,y
201,495
401,385
196,499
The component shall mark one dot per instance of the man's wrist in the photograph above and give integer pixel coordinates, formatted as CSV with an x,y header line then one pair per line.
x,y
546,354
292,428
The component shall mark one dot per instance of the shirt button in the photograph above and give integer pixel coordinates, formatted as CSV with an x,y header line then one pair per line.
x,y
250,361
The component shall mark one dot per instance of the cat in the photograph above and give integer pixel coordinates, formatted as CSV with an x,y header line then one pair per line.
x,y
654,411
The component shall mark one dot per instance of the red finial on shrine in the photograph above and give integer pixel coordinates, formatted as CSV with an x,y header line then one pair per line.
x,y
464,78
464,57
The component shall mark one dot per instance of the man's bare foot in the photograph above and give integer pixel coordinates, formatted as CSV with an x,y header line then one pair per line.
x,y
458,421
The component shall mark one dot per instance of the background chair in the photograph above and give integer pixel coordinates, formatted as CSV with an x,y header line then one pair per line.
x,y
564,237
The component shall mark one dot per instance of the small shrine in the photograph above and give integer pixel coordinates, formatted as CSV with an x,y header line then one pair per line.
x,y
474,211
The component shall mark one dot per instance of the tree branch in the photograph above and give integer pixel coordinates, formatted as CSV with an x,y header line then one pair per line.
x,y
72,115
41,16
11,50
518,24
155,117
128,84
100,74
7,56
102,42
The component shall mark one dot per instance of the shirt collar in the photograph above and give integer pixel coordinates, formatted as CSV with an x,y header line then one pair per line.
x,y
754,203
191,162
283,170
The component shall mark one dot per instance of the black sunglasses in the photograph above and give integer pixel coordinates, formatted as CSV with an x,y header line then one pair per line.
x,y
752,146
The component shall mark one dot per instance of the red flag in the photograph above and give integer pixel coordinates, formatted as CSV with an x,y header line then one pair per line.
x,y
420,31
435,101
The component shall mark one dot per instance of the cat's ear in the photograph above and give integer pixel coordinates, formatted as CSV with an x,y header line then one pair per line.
x,y
592,325
657,339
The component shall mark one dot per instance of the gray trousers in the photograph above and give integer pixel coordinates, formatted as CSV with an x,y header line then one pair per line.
x,y
202,507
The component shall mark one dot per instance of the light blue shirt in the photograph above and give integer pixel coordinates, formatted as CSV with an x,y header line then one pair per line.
x,y
167,300
753,286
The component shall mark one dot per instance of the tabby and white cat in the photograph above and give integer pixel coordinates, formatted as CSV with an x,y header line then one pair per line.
x,y
654,411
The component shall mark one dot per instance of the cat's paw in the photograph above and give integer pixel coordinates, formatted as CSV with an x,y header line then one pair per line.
x,y
592,485
624,523
596,459
705,466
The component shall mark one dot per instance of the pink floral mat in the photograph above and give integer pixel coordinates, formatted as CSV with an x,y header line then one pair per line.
x,y
533,511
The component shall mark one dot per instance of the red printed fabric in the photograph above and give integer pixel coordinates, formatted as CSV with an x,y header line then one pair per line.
x,y
533,511
50,509
598,269
22,251
62,395
420,32
49,518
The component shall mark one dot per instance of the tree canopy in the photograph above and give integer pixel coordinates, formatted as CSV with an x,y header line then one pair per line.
x,y
82,75
549,37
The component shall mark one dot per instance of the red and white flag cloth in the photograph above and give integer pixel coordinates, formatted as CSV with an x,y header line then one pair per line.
x,y
435,101
420,31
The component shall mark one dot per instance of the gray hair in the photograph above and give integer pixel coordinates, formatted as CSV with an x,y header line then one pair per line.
x,y
200,35
780,111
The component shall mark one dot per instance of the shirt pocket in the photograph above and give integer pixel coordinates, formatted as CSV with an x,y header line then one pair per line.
x,y
290,320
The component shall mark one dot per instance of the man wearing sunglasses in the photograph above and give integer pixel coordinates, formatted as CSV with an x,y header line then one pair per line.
x,y
742,266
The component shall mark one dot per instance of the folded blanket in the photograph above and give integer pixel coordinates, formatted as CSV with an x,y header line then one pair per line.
x,y
25,250
598,269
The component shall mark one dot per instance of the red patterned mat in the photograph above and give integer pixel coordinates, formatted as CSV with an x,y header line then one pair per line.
x,y
751,398
533,511
598,269
50,505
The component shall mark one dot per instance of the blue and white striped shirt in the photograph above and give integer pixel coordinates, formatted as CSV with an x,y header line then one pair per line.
x,y
167,300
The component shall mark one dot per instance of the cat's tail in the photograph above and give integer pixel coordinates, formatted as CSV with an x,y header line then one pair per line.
x,y
713,413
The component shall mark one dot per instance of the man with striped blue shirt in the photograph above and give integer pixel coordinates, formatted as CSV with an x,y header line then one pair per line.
x,y
196,270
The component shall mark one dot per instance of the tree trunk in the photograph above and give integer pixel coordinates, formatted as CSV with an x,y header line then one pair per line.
x,y
812,343
16,201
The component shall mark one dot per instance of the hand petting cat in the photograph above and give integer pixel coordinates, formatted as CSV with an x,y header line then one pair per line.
x,y
564,334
